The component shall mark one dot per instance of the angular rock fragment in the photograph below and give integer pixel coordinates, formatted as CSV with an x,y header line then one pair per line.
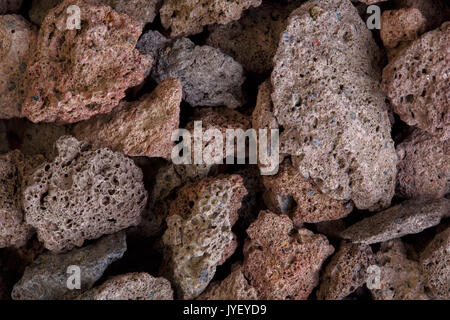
x,y
209,77
131,286
326,96
76,74
416,82
280,265
233,287
409,217
400,26
47,276
82,195
253,39
435,263
15,169
199,236
346,271
10,6
424,166
400,278
290,193
141,128
152,43
17,42
190,16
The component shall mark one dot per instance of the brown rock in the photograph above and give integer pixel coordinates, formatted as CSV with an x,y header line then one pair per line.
x,y
190,16
435,262
409,217
280,265
17,43
290,193
401,25
76,74
424,167
131,286
416,82
346,271
141,128
199,236
434,11
82,195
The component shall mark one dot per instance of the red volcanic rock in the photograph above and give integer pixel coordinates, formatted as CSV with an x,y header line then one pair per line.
x,y
401,25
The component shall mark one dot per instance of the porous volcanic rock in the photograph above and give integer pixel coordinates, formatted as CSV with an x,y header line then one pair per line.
x,y
282,263
76,74
424,166
198,236
82,195
131,286
47,276
190,16
141,128
409,217
401,25
416,82
435,11
327,98
17,42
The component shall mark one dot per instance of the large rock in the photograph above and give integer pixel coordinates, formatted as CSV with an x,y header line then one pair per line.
x,y
47,277
82,195
76,74
326,96
401,26
141,128
190,16
199,236
424,166
409,217
416,82
280,262
17,44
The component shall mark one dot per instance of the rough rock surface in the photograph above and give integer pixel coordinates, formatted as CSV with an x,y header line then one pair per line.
x,y
290,193
434,11
47,276
401,25
17,41
131,286
233,287
190,16
209,77
280,265
141,128
198,236
400,278
82,195
76,74
15,169
409,217
253,39
346,271
424,166
435,262
10,6
416,82
326,96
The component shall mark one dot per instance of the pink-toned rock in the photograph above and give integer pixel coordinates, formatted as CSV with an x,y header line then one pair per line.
x,y
10,6
131,286
15,169
401,25
416,82
282,263
233,287
435,262
346,272
76,74
17,42
434,11
141,128
424,167
199,236
190,16
82,195
290,193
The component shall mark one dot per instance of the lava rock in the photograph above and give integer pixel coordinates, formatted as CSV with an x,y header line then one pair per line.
x,y
401,25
